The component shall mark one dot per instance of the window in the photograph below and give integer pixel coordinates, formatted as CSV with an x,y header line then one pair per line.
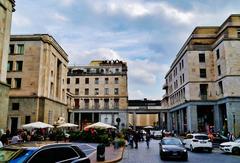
x,y
68,90
77,80
182,78
19,65
203,91
182,64
96,104
117,70
20,49
18,82
106,103
10,66
238,33
11,49
86,102
76,101
201,57
68,80
219,70
96,91
203,73
86,80
76,91
116,81
115,91
116,103
27,119
96,80
218,53
9,81
86,91
15,106
106,91
220,85
106,80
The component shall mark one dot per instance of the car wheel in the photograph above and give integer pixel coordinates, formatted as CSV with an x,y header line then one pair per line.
x,y
236,151
191,148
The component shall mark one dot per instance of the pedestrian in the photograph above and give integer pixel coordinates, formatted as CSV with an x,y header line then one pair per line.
x,y
131,140
148,139
136,138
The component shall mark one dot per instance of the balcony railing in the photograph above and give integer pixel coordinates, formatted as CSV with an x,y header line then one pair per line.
x,y
203,97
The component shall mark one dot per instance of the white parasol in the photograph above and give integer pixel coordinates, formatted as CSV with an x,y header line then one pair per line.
x,y
100,125
36,125
148,127
66,125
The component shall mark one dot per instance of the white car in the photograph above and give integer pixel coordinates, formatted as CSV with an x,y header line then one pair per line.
x,y
198,141
231,147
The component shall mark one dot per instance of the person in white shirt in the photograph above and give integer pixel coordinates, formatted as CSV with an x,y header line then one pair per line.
x,y
15,139
1,145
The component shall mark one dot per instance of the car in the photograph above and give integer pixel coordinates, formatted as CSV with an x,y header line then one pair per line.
x,y
171,147
218,138
36,152
231,147
157,134
198,141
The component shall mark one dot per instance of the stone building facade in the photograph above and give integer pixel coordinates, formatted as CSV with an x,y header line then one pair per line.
x,y
6,9
37,74
98,92
202,85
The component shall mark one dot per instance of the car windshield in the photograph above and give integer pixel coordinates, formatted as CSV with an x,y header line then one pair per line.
x,y
7,154
171,142
202,137
237,140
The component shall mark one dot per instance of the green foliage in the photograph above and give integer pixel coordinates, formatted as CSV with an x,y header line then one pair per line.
x,y
120,142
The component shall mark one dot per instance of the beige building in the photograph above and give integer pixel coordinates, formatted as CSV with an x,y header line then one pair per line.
x,y
98,92
202,85
6,9
37,73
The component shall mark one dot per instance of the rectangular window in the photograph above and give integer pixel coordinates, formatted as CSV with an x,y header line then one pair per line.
x,y
15,106
20,49
106,91
19,65
220,85
18,82
9,81
27,119
201,57
86,80
106,103
77,80
96,104
96,80
10,66
96,91
76,101
11,49
182,64
218,53
86,103
219,70
203,91
203,73
117,70
116,91
68,90
68,80
238,33
86,91
116,81
76,91
106,80
183,78
116,103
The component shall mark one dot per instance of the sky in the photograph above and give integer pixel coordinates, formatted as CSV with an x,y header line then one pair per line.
x,y
147,34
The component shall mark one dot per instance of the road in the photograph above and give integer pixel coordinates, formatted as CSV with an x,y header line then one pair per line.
x,y
151,155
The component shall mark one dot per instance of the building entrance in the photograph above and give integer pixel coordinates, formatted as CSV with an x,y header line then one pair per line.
x,y
205,118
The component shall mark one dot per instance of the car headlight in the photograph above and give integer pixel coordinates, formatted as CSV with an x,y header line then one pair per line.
x,y
184,150
164,150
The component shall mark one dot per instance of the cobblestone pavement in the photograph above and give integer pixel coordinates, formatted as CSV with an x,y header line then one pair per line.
x,y
151,155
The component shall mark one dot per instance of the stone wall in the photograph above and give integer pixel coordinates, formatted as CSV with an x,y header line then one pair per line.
x,y
4,99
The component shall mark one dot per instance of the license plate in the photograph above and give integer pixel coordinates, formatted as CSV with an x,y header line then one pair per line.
x,y
202,142
175,154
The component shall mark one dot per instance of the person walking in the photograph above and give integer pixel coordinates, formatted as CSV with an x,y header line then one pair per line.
x,y
148,139
136,139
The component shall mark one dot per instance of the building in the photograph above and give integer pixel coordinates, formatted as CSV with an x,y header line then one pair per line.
x,y
37,73
98,92
202,83
6,9
146,113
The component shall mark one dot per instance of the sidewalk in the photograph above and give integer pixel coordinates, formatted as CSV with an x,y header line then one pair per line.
x,y
111,155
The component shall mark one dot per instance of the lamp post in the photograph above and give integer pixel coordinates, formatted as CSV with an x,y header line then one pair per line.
x,y
234,121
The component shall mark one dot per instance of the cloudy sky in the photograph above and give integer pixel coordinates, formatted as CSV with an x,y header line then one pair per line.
x,y
147,34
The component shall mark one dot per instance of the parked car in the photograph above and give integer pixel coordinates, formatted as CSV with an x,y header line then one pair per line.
x,y
198,141
218,139
231,147
38,152
171,147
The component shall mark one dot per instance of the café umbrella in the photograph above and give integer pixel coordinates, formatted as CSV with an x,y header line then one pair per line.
x,y
36,125
66,125
148,127
100,125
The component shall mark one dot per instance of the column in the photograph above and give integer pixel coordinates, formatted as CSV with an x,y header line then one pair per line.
x,y
181,121
159,120
192,118
80,120
233,117
71,117
92,117
134,120
169,121
217,118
